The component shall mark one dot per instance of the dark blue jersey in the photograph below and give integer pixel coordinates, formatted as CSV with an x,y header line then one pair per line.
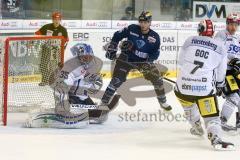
x,y
146,45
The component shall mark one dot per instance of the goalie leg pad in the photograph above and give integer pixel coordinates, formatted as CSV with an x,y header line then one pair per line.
x,y
51,120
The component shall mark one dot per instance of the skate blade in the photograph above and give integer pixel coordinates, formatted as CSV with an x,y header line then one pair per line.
x,y
220,148
166,111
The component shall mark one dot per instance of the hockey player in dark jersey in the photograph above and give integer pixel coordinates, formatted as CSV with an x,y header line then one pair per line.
x,y
51,29
143,50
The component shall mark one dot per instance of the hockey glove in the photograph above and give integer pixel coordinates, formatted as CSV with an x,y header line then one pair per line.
x,y
111,50
127,46
220,87
235,65
96,81
219,91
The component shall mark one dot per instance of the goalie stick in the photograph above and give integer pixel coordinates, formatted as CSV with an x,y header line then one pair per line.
x,y
106,107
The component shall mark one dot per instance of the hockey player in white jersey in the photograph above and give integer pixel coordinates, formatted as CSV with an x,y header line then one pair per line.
x,y
72,83
202,68
231,91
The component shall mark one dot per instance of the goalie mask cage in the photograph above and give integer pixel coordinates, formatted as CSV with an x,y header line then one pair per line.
x,y
26,64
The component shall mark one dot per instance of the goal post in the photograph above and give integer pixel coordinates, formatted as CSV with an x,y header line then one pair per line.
x,y
26,64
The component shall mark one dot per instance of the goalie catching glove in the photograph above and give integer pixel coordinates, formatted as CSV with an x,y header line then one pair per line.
x,y
96,81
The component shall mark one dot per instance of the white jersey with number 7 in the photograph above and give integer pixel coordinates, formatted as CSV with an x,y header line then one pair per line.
x,y
202,64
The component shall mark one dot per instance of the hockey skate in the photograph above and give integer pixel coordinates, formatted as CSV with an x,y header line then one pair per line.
x,y
225,126
197,129
166,107
220,145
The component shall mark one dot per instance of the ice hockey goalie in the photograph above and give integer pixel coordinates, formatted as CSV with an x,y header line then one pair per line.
x,y
72,84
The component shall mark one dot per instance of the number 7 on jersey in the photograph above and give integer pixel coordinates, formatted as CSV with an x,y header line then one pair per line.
x,y
198,65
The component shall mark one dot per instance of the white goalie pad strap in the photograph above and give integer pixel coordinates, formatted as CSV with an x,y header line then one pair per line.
x,y
77,108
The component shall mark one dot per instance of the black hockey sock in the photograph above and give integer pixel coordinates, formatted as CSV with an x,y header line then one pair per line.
x,y
159,90
108,94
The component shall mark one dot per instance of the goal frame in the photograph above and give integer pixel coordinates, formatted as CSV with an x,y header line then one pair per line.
x,y
6,63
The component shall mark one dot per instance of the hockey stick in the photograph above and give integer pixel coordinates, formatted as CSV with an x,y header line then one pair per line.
x,y
114,101
126,45
169,80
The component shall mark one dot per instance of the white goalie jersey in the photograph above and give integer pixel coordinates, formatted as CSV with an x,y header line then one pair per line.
x,y
202,64
75,79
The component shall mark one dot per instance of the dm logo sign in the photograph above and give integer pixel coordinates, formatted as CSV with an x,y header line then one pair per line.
x,y
204,10
215,11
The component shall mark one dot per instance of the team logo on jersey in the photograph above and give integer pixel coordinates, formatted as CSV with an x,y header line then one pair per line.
x,y
60,34
204,43
151,39
49,33
194,88
234,49
194,79
204,79
140,43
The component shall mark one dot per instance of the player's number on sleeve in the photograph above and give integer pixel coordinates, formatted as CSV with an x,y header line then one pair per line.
x,y
64,74
198,65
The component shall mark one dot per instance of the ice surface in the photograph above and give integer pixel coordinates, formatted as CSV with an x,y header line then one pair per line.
x,y
115,140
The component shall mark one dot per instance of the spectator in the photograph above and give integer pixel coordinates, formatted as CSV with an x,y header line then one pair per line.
x,y
129,15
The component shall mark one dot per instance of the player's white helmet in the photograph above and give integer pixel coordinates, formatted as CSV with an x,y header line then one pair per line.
x,y
206,28
233,18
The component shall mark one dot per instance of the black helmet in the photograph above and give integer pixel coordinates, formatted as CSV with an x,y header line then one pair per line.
x,y
145,16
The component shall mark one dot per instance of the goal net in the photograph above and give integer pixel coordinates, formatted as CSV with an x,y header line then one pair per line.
x,y
26,64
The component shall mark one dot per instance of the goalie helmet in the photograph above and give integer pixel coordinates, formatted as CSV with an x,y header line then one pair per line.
x,y
84,53
206,28
145,16
56,15
233,18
